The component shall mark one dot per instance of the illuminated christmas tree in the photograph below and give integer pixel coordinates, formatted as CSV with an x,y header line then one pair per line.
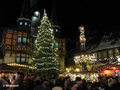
x,y
44,58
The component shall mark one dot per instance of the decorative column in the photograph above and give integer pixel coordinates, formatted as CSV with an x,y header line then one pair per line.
x,y
82,38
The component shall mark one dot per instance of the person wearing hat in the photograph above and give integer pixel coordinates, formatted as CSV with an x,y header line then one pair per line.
x,y
79,84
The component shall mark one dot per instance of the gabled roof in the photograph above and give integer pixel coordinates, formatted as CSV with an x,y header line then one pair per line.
x,y
111,40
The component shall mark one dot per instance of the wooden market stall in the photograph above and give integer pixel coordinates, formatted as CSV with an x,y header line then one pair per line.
x,y
108,69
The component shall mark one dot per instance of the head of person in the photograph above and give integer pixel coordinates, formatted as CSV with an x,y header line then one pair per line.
x,y
12,78
45,82
78,80
89,85
96,86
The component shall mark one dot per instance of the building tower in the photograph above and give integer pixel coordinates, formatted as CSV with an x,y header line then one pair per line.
x,y
23,34
55,29
16,43
35,18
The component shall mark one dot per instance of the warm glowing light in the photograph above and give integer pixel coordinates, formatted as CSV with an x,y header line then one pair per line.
x,y
77,69
118,59
114,68
107,72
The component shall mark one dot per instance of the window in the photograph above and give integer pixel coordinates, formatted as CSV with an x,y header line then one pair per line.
x,y
110,53
24,39
56,44
28,40
22,60
20,23
18,59
29,25
25,23
104,54
56,30
26,59
19,39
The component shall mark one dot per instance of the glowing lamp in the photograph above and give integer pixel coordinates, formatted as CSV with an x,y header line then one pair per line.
x,y
119,59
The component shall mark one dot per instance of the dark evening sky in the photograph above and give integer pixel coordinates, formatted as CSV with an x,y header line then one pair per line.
x,y
93,14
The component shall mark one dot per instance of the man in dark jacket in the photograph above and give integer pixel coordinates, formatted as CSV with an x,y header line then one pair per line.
x,y
116,86
1,86
80,85
43,86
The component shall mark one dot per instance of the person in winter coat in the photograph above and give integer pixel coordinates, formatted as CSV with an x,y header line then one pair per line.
x,y
116,86
80,85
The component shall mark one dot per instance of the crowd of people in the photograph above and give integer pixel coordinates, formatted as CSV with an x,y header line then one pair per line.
x,y
56,83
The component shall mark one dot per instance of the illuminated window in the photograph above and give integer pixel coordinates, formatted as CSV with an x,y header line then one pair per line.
x,y
56,30
25,23
24,39
28,41
18,59
110,53
99,55
116,51
20,23
104,54
29,25
56,44
19,39
22,60
26,59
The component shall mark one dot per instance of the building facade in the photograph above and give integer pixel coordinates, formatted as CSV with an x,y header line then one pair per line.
x,y
17,44
105,50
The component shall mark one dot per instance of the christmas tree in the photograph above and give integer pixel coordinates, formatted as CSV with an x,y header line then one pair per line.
x,y
44,57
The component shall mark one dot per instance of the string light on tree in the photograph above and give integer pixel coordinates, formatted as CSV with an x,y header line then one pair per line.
x,y
45,53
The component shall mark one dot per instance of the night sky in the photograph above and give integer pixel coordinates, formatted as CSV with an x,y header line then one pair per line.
x,y
93,14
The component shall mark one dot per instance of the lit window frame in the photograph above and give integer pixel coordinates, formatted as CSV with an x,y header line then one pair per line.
x,y
57,46
25,23
20,23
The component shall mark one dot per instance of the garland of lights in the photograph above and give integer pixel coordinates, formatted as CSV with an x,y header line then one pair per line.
x,y
44,57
